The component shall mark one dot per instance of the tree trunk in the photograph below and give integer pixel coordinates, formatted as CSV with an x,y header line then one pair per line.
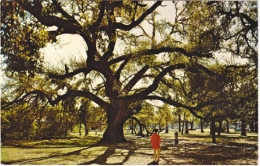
x,y
141,131
191,125
66,129
167,128
79,129
212,131
132,126
114,133
116,118
256,121
160,128
179,122
227,126
252,126
243,127
219,127
141,127
256,126
201,126
183,123
186,127
38,128
86,130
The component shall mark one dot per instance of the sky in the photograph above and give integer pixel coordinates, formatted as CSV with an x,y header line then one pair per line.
x,y
68,47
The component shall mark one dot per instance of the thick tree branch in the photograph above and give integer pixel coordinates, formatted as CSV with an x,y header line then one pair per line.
x,y
92,97
142,95
253,24
174,103
70,93
136,78
119,70
35,8
139,20
70,74
172,50
94,26
64,13
21,97
191,109
158,51
206,70
109,52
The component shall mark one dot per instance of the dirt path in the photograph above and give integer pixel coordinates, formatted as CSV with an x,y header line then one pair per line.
x,y
138,152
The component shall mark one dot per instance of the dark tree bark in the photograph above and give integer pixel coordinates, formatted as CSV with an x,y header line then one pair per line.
x,y
116,118
167,128
86,130
243,127
227,126
186,127
114,131
183,124
179,119
66,130
256,121
252,126
256,126
201,126
132,126
80,129
213,131
142,127
83,119
219,127
191,125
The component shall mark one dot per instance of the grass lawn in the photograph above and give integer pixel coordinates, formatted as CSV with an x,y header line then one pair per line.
x,y
193,148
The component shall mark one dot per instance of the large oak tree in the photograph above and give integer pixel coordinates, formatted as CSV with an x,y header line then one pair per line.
x,y
159,59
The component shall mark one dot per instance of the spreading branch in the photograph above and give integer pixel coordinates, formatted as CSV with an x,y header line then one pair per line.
x,y
158,51
59,98
35,8
139,20
142,95
136,78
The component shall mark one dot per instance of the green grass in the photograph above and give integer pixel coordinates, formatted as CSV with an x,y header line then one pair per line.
x,y
87,150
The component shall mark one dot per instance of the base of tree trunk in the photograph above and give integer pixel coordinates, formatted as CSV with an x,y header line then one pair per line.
x,y
113,136
113,140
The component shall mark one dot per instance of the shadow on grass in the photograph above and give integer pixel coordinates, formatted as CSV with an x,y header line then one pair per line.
x,y
216,154
188,151
99,159
66,142
55,155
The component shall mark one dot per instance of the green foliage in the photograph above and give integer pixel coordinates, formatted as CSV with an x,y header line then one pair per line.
x,y
147,116
202,38
94,117
21,40
133,55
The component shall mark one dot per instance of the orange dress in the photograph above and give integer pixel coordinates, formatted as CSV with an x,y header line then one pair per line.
x,y
155,140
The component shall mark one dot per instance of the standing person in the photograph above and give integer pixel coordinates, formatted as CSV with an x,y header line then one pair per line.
x,y
155,141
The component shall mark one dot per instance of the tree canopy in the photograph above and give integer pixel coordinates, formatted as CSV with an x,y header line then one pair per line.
x,y
133,55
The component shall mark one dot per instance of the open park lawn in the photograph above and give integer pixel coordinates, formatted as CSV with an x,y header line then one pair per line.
x,y
193,148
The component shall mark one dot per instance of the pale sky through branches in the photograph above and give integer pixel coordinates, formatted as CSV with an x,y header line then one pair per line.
x,y
72,47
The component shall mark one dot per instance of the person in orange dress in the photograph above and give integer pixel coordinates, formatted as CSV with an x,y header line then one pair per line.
x,y
155,141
